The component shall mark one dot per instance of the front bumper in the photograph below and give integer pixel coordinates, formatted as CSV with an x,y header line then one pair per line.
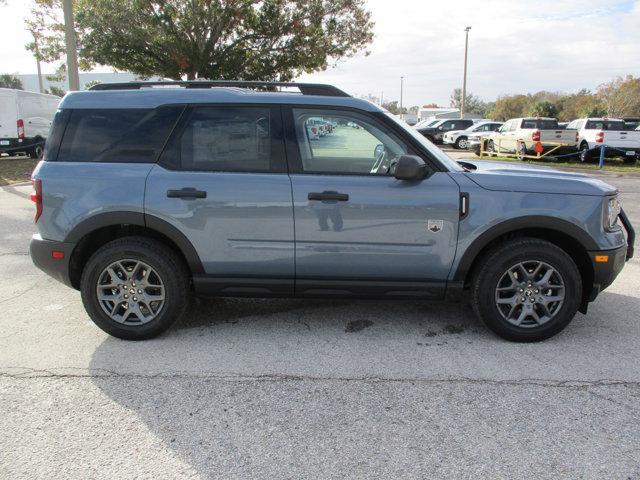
x,y
42,255
606,271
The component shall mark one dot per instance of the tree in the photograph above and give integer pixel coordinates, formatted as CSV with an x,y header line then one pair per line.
x,y
91,83
240,39
621,97
54,90
472,104
509,106
543,109
10,81
580,105
394,107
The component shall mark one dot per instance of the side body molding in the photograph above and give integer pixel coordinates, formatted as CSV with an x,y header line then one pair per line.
x,y
110,219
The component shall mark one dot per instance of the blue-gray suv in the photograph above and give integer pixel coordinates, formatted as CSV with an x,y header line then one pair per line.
x,y
151,192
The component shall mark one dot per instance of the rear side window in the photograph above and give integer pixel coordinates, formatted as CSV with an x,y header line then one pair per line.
x,y
605,125
224,139
117,135
55,134
540,124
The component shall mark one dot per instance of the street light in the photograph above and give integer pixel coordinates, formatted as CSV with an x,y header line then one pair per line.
x,y
401,87
464,81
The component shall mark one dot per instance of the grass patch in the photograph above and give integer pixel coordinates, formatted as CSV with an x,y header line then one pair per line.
x,y
610,164
16,169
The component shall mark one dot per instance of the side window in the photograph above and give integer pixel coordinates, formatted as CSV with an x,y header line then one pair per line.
x,y
349,143
507,126
117,135
449,125
223,139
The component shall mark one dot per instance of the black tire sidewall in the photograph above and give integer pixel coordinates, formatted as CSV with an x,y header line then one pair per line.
x,y
162,260
494,268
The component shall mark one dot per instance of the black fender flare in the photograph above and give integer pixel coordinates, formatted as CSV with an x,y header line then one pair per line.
x,y
110,219
550,224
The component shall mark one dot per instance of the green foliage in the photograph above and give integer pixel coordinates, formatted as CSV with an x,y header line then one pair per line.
x,y
53,90
10,81
621,97
246,39
509,106
90,84
472,104
543,109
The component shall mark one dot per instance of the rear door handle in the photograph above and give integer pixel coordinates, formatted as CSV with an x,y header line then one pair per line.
x,y
340,197
187,192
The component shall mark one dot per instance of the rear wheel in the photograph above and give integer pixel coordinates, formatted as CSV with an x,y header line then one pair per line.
x,y
521,151
490,146
134,288
36,152
586,156
527,290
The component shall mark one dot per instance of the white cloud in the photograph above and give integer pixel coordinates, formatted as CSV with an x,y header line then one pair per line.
x,y
515,46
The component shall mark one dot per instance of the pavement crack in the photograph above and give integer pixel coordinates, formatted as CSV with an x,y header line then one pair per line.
x,y
70,373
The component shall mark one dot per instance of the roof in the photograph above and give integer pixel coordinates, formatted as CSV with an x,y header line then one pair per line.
x,y
137,95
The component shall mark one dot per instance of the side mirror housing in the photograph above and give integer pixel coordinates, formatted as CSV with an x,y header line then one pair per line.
x,y
410,167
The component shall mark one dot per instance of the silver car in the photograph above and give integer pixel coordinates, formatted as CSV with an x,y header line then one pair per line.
x,y
459,138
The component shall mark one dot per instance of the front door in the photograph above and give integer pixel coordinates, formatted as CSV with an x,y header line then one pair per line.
x,y
222,182
358,229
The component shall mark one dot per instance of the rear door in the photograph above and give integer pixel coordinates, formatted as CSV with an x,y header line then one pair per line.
x,y
222,182
359,231
8,116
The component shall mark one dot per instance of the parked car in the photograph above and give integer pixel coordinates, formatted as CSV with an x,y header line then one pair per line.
x,y
611,132
631,123
459,138
520,135
147,195
426,123
25,119
313,132
435,132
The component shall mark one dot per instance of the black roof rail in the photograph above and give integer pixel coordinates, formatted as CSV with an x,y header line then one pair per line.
x,y
305,88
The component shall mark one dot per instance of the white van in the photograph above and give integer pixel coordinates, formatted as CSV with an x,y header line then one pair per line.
x,y
25,118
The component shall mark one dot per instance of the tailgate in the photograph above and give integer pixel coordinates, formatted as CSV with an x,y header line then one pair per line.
x,y
623,139
566,137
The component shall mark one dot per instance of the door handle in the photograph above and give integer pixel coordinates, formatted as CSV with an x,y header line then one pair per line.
x,y
186,192
340,197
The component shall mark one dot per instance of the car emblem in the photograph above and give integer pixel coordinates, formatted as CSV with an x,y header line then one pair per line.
x,y
435,225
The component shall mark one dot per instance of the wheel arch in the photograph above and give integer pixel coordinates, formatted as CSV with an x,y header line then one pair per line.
x,y
96,231
564,234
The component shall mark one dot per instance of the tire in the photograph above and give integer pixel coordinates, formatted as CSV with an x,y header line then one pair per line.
x,y
461,143
521,151
165,273
490,146
585,155
630,160
494,270
36,152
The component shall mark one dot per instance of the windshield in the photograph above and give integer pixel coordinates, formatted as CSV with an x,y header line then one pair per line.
x,y
426,123
433,150
605,125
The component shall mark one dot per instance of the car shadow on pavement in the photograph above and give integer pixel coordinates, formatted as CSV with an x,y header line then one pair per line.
x,y
239,384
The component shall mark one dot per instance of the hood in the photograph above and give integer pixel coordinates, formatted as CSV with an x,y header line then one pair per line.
x,y
509,177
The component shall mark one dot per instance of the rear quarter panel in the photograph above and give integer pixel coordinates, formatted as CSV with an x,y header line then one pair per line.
x,y
75,191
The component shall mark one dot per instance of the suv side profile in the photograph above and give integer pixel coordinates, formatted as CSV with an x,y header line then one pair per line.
x,y
148,195
435,133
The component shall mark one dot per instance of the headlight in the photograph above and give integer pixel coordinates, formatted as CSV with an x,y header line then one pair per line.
x,y
612,210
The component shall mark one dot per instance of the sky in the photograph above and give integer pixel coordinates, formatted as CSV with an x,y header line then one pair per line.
x,y
515,46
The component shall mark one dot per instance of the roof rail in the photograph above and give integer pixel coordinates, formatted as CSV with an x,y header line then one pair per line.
x,y
305,88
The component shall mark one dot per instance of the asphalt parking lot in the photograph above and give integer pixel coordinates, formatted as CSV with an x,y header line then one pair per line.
x,y
311,389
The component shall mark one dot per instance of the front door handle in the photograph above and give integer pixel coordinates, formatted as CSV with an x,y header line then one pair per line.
x,y
335,196
187,192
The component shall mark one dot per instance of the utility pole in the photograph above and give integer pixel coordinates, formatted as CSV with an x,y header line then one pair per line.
x,y
37,52
401,92
464,81
70,41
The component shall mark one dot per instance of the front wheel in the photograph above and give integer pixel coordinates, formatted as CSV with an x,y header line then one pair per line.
x,y
521,151
462,143
527,290
134,288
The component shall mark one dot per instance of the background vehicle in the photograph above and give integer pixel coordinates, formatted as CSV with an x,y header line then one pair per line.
x,y
612,132
146,195
426,123
459,138
631,123
435,132
520,135
25,119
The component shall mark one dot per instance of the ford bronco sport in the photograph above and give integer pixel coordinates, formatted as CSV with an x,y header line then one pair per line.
x,y
150,192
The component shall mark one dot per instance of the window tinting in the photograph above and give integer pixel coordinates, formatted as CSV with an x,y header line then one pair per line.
x,y
117,135
605,125
223,139
55,134
540,124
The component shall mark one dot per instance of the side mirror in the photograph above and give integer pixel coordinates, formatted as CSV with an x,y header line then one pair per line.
x,y
378,151
410,167
440,128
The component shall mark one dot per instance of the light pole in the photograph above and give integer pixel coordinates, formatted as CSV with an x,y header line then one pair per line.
x,y
70,41
464,81
401,91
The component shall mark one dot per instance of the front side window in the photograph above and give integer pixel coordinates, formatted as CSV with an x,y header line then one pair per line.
x,y
223,139
352,143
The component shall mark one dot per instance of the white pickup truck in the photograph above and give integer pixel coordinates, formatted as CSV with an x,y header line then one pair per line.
x,y
611,132
520,136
